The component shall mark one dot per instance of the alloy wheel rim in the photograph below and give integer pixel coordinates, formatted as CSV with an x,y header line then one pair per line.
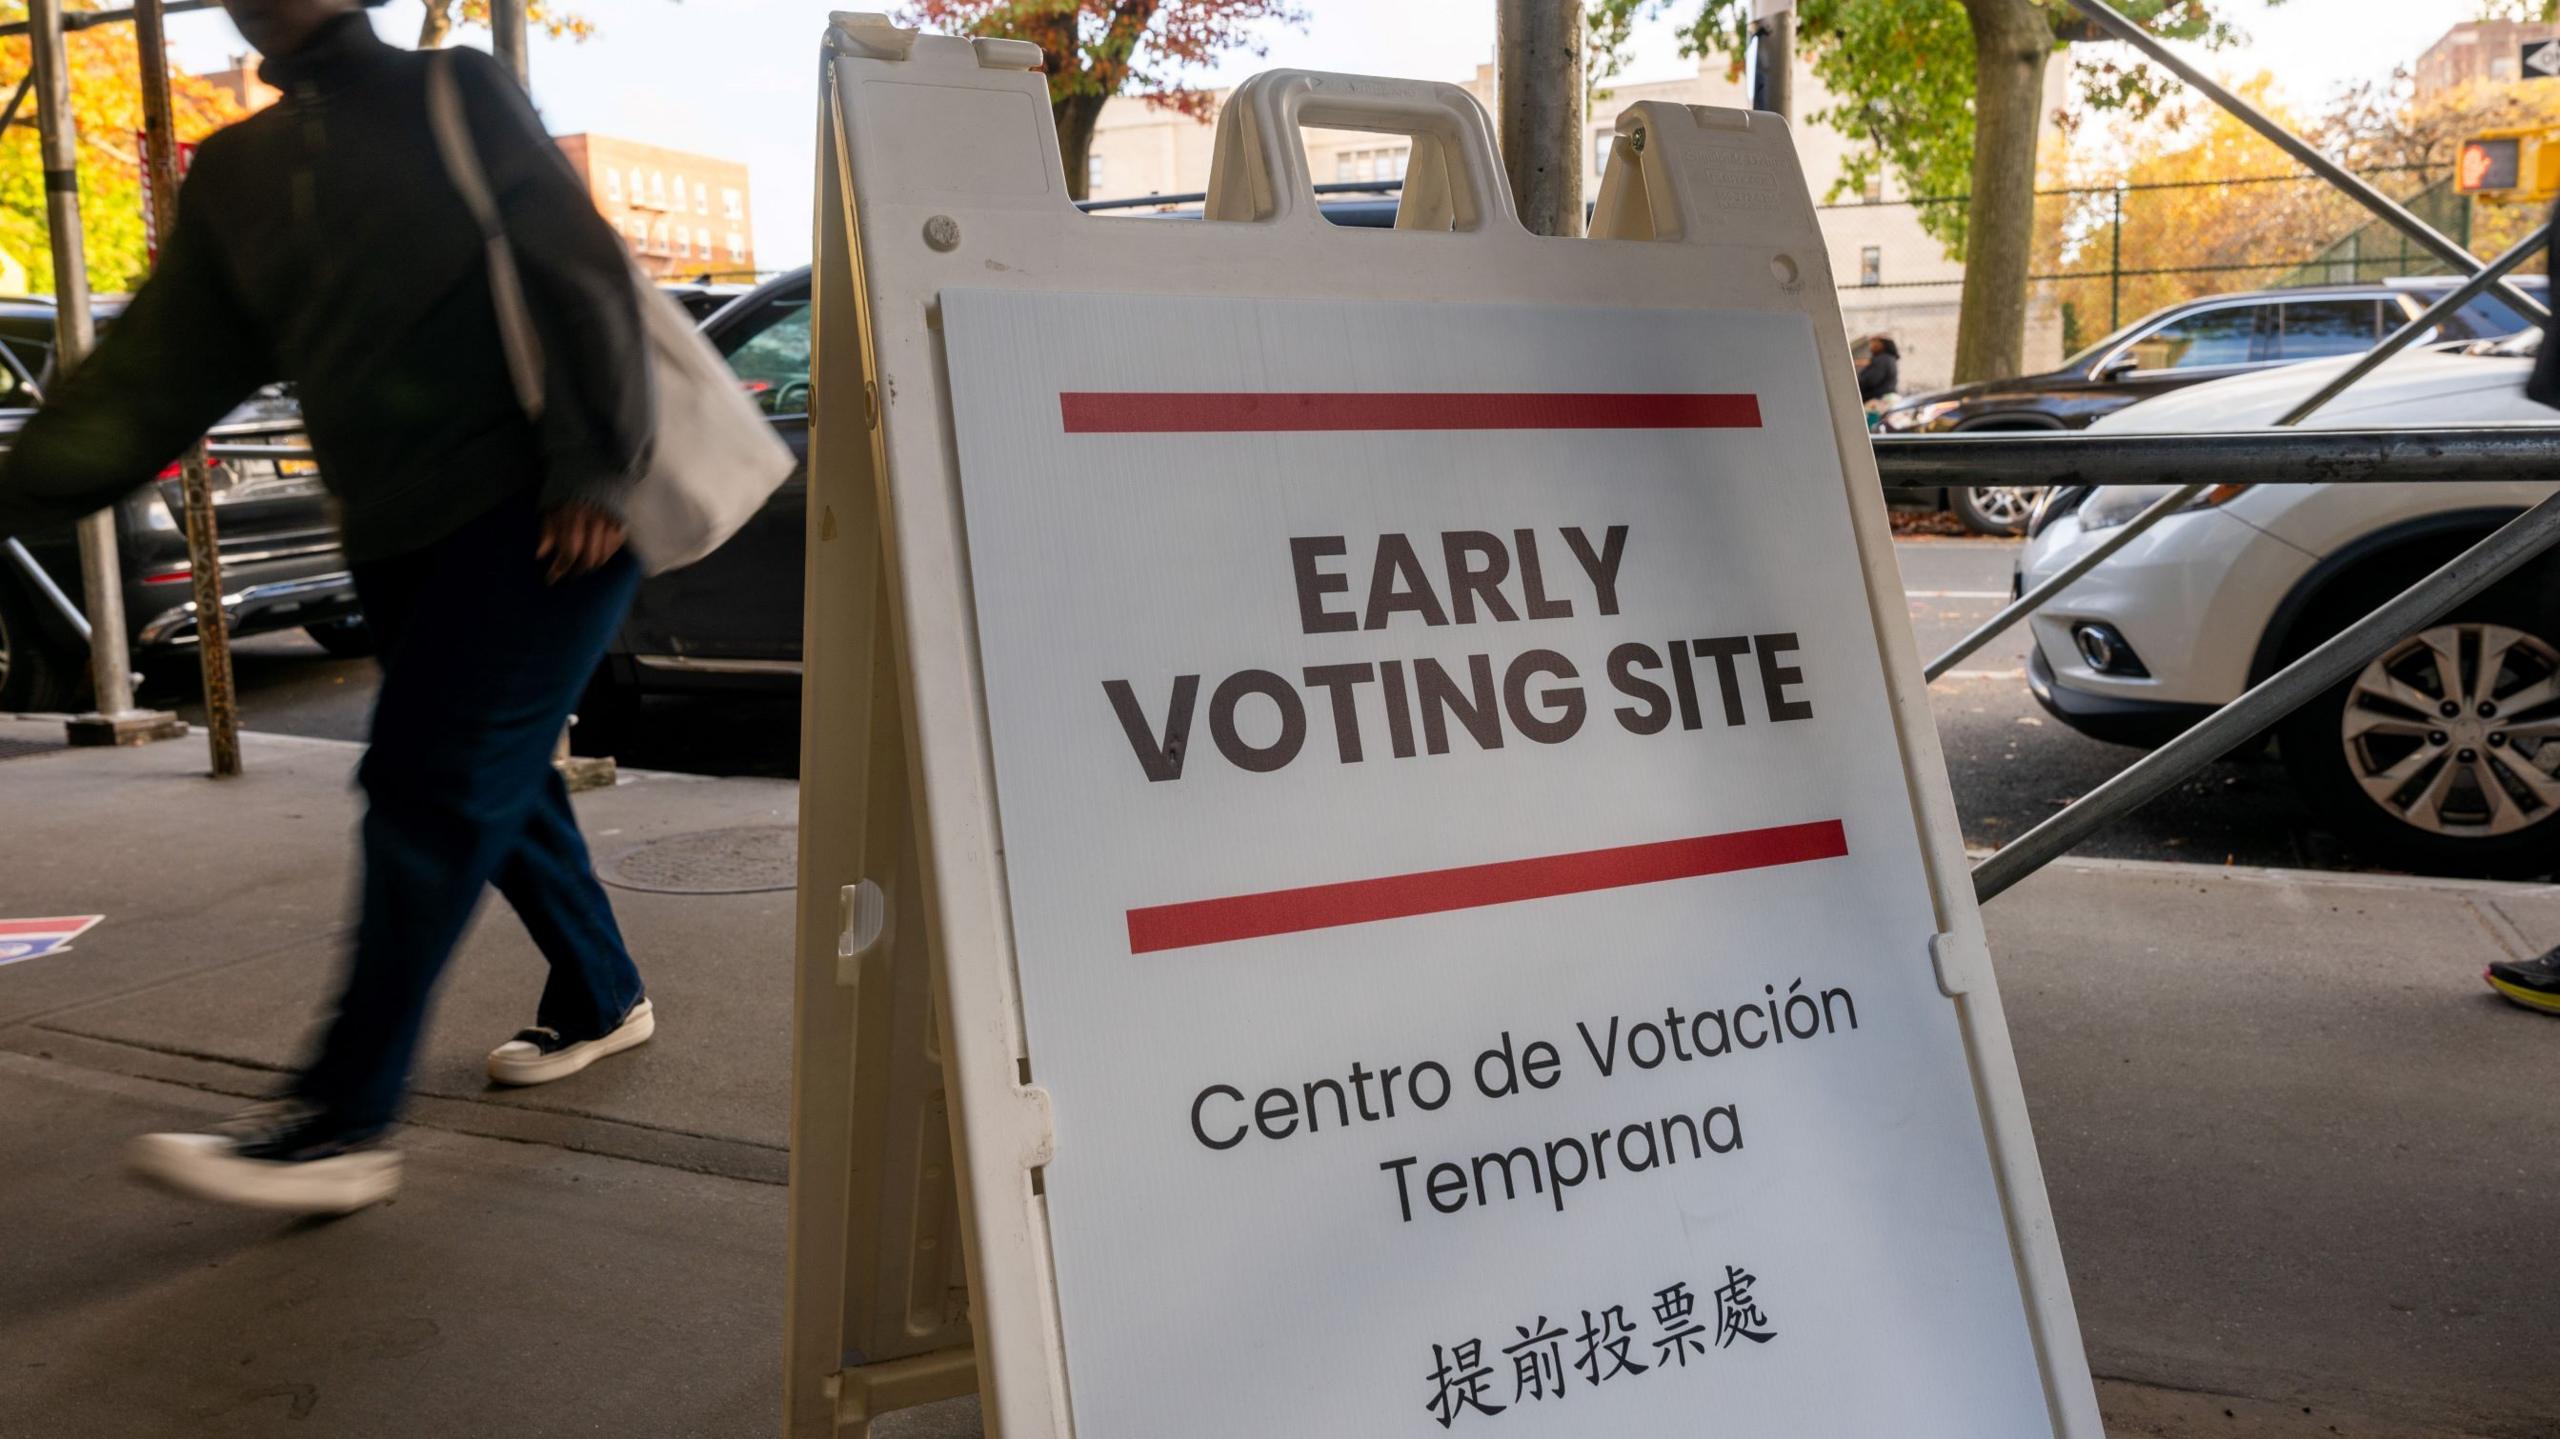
x,y
2455,731
2006,504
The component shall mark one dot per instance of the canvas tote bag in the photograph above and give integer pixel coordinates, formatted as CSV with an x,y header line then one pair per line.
x,y
715,459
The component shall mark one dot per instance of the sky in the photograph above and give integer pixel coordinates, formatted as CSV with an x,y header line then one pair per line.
x,y
738,78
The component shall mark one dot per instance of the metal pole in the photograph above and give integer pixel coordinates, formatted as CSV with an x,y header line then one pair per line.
x,y
2371,360
1538,70
2477,454
2156,773
102,578
2115,269
506,32
2429,238
204,558
1773,72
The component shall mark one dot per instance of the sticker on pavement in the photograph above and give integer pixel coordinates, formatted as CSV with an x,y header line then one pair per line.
x,y
36,938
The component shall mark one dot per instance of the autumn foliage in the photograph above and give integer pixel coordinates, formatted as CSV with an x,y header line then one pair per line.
x,y
1097,49
106,105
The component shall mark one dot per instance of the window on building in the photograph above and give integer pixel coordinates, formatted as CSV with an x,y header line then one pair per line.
x,y
613,186
684,242
1873,191
639,191
658,188
658,238
701,198
737,247
733,206
1871,265
1361,166
1094,170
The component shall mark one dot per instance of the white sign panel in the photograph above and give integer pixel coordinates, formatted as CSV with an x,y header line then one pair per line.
x,y
1470,918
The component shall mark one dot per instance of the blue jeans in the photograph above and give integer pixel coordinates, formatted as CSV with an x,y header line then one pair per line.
x,y
482,661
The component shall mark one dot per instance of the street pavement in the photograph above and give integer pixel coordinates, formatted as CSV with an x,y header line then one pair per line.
x,y
2012,765
2297,1152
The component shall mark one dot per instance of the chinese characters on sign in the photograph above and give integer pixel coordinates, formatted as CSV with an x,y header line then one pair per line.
x,y
1602,1350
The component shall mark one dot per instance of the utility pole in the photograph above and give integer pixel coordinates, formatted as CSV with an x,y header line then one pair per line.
x,y
506,35
204,558
1773,69
1538,79
115,720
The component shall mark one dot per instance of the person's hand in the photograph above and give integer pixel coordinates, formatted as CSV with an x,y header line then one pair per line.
x,y
576,539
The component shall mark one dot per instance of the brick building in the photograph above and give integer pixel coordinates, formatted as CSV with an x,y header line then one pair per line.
x,y
2479,50
684,215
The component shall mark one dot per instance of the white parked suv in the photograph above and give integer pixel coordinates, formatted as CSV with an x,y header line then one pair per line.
x,y
2444,752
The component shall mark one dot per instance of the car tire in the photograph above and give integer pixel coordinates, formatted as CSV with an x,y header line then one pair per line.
x,y
607,719
38,672
2405,781
348,639
2001,511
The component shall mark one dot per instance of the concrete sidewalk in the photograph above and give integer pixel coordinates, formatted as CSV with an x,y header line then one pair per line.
x,y
2297,1152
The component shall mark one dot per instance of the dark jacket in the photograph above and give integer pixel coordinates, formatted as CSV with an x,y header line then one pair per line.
x,y
320,242
1881,375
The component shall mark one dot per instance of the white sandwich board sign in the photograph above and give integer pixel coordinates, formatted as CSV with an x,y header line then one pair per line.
x,y
1449,912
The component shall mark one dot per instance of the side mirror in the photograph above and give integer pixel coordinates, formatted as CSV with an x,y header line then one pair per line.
x,y
2117,366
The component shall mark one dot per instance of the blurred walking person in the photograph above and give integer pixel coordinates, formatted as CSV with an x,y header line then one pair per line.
x,y
321,242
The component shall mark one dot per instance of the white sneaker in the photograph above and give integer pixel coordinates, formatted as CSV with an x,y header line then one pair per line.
x,y
269,1159
539,1056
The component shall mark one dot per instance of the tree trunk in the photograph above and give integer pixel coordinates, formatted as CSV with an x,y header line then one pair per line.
x,y
1076,115
2012,41
437,25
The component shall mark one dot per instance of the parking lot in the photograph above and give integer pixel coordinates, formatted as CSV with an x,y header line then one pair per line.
x,y
2012,765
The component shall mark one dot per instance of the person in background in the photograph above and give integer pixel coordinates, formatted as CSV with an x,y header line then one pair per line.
x,y
1880,372
320,242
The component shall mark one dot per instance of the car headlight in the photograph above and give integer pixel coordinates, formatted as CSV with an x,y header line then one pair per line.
x,y
2113,505
1919,417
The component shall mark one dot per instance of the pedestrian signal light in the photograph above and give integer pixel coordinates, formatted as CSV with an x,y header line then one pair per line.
x,y
2510,166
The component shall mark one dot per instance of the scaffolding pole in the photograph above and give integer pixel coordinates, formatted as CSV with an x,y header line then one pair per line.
x,y
204,557
114,720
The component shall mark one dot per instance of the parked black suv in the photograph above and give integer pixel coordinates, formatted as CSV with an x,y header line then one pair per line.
x,y
2183,345
279,543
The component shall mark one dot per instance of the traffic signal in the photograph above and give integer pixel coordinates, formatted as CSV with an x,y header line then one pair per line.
x,y
2510,166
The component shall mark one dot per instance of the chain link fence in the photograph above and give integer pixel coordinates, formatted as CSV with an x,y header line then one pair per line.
x,y
2109,255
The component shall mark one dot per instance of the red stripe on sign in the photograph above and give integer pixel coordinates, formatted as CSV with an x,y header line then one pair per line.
x,y
1361,901
71,924
1191,413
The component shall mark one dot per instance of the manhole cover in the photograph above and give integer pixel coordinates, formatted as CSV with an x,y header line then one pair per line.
x,y
751,860
21,748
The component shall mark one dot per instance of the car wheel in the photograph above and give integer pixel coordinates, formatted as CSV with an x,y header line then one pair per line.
x,y
348,639
608,715
37,674
2444,751
2000,510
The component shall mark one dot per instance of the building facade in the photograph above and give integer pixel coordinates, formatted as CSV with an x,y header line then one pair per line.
x,y
685,216
1894,278
2478,50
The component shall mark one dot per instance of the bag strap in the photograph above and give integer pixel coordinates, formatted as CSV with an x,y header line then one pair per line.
x,y
506,288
